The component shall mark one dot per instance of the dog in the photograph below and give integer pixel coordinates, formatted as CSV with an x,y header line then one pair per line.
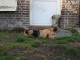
x,y
45,33
27,31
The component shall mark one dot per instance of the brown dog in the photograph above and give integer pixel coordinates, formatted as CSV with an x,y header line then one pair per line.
x,y
45,33
27,31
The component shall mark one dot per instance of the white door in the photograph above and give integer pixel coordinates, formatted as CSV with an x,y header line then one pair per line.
x,y
41,12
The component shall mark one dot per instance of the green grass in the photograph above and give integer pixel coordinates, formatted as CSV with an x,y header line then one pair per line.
x,y
73,38
7,46
7,58
60,46
21,38
23,41
60,58
35,44
4,35
75,52
61,42
73,31
3,52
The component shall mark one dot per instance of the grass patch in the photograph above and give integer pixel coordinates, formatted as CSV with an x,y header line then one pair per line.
x,y
73,38
23,58
7,58
60,58
60,46
73,52
22,41
4,35
61,42
3,52
21,38
7,46
73,31
35,44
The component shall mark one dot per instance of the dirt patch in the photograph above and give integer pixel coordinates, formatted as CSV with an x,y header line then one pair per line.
x,y
7,40
75,44
2,40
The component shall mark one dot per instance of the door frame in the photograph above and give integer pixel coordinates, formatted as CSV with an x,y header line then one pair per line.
x,y
30,15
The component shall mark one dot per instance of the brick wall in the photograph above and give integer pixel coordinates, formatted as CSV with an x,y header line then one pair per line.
x,y
20,17
17,18
70,14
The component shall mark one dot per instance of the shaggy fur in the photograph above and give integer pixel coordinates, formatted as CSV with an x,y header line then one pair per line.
x,y
45,33
27,31
35,33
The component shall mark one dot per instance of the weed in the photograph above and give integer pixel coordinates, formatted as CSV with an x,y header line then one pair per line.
x,y
73,31
21,38
73,51
35,44
29,39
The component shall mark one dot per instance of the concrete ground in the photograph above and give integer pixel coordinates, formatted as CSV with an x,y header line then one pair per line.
x,y
63,33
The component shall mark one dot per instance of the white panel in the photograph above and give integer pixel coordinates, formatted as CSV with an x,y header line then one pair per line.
x,y
42,11
8,5
45,0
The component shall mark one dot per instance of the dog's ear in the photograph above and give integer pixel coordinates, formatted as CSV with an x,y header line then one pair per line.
x,y
56,25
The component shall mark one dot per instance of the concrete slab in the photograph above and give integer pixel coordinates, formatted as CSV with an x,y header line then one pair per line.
x,y
63,33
